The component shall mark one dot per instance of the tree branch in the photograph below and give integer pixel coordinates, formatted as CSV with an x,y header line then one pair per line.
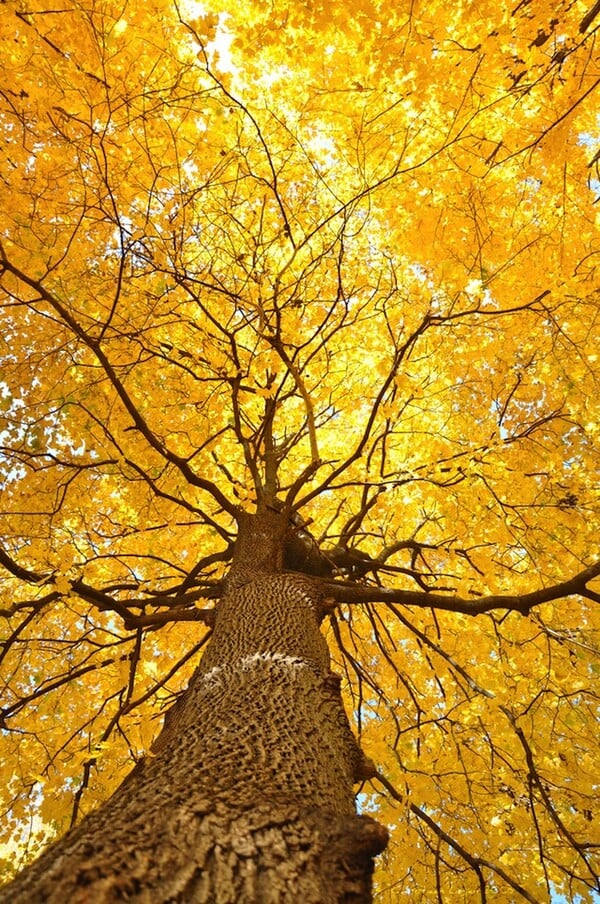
x,y
140,423
475,862
347,592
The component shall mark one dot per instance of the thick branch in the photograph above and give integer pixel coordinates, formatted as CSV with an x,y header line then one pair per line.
x,y
347,592
178,604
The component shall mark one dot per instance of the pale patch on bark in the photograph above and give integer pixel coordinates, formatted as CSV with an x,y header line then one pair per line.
x,y
247,662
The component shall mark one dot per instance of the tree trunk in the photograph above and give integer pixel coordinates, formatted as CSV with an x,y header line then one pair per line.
x,y
247,794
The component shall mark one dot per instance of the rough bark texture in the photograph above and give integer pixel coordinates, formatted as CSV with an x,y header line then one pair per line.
x,y
247,796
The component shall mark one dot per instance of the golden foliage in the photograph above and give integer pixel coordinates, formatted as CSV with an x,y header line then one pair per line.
x,y
341,253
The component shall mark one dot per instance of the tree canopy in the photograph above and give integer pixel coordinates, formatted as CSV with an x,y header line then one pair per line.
x,y
339,257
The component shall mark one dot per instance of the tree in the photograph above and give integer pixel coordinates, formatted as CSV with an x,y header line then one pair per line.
x,y
300,329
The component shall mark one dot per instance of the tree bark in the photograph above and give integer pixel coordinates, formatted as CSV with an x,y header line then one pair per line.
x,y
247,795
